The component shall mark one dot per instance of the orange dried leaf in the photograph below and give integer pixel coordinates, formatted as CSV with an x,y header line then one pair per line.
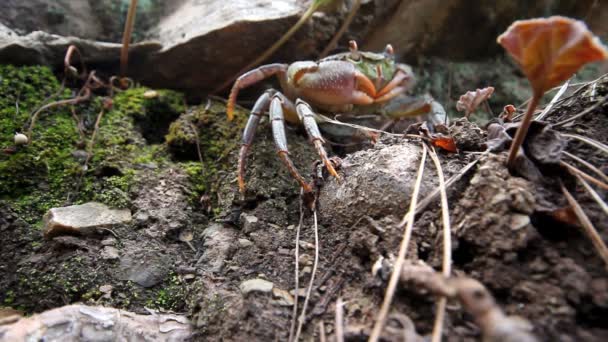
x,y
550,50
507,112
445,143
472,99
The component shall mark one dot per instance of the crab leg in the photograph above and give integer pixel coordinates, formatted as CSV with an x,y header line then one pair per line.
x,y
261,105
280,140
249,78
307,117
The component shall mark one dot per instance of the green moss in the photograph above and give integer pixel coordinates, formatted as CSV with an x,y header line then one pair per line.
x,y
217,139
169,297
49,171
34,177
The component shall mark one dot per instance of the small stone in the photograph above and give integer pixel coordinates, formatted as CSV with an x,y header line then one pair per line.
x,y
259,285
305,259
80,155
244,243
189,276
108,242
105,288
20,139
150,94
519,221
82,219
109,253
249,223
301,292
306,270
306,245
283,297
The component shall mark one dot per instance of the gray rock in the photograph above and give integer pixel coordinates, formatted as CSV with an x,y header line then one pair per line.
x,y
95,323
144,270
244,243
249,223
257,284
43,48
219,244
82,219
109,253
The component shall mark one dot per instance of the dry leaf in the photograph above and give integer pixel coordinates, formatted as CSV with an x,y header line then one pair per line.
x,y
550,50
445,143
472,99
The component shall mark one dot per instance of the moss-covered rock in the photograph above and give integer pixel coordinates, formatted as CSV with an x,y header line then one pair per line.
x,y
216,137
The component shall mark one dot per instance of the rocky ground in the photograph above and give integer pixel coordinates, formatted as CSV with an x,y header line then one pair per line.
x,y
175,252
192,245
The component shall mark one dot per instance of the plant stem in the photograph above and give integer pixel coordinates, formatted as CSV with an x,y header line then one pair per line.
x,y
126,38
520,135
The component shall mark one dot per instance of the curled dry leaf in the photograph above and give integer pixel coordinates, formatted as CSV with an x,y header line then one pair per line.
x,y
550,50
507,112
472,99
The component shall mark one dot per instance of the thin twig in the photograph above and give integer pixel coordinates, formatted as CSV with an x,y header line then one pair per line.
x,y
83,95
294,313
392,284
339,324
576,171
588,165
583,113
589,141
588,227
447,246
312,280
330,46
594,194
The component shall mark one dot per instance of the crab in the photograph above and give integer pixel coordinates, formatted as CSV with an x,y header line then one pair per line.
x,y
355,82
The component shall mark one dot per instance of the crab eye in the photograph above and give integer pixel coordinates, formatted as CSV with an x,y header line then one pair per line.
x,y
354,50
388,50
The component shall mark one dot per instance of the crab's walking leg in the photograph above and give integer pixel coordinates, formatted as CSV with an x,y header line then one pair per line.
x,y
250,78
307,117
280,140
261,105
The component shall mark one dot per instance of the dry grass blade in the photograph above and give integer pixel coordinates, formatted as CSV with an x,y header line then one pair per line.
x,y
598,199
294,313
573,170
447,246
588,141
583,113
431,197
311,282
407,234
330,46
322,337
339,324
559,94
588,227
588,165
